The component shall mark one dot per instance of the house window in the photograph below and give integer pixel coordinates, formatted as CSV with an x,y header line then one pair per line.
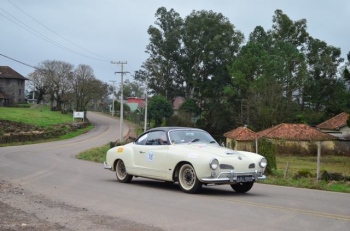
x,y
8,81
19,92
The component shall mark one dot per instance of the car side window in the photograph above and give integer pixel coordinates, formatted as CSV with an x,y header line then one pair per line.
x,y
142,139
157,138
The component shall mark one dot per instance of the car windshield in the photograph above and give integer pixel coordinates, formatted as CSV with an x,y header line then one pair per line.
x,y
190,136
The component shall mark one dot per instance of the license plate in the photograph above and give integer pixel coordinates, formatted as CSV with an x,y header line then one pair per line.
x,y
248,178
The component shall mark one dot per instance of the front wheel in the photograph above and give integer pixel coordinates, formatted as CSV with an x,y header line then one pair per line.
x,y
188,180
121,173
242,187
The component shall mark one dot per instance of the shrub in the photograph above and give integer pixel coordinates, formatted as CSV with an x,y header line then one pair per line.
x,y
233,144
328,176
268,150
304,173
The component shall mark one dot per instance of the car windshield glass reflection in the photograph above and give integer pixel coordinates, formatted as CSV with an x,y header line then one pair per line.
x,y
190,136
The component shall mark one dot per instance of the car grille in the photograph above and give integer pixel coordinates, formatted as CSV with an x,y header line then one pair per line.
x,y
226,166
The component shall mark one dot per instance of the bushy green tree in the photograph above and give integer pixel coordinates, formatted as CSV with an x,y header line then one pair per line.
x,y
267,149
159,108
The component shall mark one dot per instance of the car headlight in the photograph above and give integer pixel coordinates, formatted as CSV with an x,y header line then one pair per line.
x,y
263,162
214,164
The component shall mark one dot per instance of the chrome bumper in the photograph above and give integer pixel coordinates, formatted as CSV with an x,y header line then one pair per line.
x,y
232,178
106,166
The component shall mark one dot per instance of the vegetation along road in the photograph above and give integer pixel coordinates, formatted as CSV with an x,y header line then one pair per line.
x,y
44,187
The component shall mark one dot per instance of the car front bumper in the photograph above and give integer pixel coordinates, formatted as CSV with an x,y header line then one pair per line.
x,y
232,177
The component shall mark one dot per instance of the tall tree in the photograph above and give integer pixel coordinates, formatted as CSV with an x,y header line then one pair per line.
x,y
164,50
289,44
57,74
85,87
40,84
133,89
210,44
159,108
323,62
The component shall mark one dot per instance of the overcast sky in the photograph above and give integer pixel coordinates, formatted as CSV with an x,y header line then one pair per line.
x,y
96,32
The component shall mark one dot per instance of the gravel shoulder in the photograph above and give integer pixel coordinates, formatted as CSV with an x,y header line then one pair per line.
x,y
22,210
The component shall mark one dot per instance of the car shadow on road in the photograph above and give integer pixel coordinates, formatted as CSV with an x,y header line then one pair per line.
x,y
223,190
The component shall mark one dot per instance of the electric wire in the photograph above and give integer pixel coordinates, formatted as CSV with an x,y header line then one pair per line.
x,y
104,58
19,61
38,34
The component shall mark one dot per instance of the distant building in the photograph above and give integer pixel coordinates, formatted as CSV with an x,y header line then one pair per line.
x,y
12,86
241,138
297,134
135,103
337,126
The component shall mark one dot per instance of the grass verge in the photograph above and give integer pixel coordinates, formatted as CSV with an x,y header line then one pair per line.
x,y
95,154
63,137
38,115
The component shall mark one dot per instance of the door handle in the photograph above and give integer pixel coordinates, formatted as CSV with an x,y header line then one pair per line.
x,y
142,152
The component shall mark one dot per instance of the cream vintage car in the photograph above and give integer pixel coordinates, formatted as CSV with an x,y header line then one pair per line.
x,y
189,156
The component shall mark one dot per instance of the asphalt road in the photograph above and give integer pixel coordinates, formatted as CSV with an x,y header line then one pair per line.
x,y
48,182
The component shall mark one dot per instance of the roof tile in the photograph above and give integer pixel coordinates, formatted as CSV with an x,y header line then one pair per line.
x,y
295,132
335,123
8,73
241,134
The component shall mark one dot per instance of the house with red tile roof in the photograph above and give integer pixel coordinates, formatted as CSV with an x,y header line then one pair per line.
x,y
241,138
12,85
297,134
337,126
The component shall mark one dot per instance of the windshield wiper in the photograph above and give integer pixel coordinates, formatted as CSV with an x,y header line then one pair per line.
x,y
194,140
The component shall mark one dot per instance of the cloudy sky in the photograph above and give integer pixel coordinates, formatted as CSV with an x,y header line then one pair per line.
x,y
97,32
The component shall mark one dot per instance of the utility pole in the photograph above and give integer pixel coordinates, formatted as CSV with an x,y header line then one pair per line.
x,y
113,81
121,97
145,125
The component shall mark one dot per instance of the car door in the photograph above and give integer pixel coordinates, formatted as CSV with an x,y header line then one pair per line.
x,y
150,154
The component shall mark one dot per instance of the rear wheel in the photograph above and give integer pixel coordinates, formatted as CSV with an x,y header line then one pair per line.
x,y
121,173
242,187
188,180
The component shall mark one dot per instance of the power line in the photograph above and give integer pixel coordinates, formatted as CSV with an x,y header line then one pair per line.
x,y
20,62
106,59
40,35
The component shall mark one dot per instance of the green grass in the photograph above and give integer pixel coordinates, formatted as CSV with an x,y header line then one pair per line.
x,y
339,164
63,137
39,115
298,164
95,154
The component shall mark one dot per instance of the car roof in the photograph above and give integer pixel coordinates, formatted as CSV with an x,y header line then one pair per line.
x,y
167,129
